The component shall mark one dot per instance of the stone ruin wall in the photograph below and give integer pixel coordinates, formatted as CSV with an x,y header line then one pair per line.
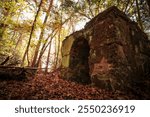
x,y
119,54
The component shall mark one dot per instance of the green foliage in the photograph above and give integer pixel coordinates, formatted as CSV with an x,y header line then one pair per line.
x,y
63,17
10,10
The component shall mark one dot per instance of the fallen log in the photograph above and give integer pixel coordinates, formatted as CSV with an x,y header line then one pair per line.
x,y
16,73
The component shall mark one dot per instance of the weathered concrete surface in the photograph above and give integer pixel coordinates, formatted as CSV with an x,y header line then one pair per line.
x,y
111,52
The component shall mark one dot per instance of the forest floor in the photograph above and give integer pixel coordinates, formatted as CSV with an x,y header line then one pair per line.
x,y
52,87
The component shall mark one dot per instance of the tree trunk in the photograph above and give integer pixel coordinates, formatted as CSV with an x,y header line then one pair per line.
x,y
32,30
5,61
45,46
148,3
41,35
18,41
42,52
48,57
139,15
57,51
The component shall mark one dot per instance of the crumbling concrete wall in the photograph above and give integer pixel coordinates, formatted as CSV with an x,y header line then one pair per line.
x,y
119,52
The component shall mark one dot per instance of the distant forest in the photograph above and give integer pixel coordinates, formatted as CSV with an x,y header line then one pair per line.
x,y
32,31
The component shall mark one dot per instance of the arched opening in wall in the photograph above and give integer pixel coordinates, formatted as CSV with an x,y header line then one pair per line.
x,y
79,61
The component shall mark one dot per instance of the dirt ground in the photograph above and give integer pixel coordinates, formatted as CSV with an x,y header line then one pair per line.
x,y
52,87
